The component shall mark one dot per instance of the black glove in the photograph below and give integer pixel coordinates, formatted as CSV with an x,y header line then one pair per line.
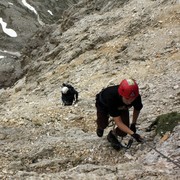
x,y
137,137
133,127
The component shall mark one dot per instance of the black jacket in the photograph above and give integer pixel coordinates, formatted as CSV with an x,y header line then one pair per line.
x,y
112,101
70,96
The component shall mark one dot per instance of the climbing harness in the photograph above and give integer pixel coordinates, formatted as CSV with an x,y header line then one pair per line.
x,y
111,123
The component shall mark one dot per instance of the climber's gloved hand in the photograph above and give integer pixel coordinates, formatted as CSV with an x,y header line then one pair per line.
x,y
137,137
133,127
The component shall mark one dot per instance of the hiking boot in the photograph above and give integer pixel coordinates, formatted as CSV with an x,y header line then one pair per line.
x,y
100,132
114,141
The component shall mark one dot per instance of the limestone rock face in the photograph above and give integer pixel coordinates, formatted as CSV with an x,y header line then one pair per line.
x,y
23,18
94,44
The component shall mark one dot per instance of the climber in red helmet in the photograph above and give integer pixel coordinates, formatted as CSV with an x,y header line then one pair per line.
x,y
115,101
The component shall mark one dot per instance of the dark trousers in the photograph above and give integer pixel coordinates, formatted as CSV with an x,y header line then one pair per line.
x,y
103,118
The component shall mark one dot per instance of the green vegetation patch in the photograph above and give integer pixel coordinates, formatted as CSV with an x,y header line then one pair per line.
x,y
166,122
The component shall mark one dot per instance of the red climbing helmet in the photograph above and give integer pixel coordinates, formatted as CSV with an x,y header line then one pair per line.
x,y
128,88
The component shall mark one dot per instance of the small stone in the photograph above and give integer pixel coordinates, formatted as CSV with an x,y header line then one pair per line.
x,y
176,87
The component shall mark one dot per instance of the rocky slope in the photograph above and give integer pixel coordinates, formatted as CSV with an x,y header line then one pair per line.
x,y
96,44
24,18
